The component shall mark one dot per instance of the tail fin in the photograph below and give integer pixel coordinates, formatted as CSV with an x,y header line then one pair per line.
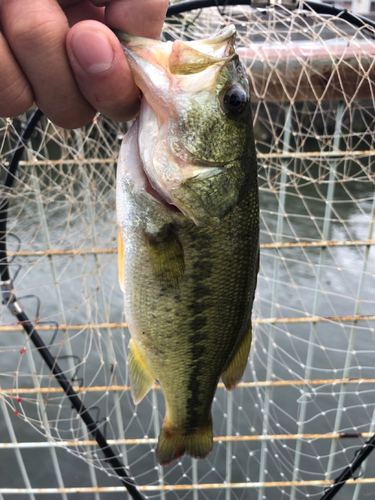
x,y
174,443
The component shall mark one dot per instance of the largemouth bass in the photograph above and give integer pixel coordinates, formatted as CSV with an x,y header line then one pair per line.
x,y
187,205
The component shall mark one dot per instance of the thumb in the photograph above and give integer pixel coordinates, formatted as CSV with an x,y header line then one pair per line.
x,y
101,71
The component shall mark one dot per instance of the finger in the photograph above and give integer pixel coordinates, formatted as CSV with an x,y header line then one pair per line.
x,y
107,83
36,32
100,3
16,95
101,70
84,9
137,17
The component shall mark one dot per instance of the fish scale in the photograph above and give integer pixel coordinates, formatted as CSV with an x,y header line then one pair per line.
x,y
188,252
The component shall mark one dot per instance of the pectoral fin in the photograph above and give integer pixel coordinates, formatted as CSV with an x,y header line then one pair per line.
x,y
234,371
141,379
167,255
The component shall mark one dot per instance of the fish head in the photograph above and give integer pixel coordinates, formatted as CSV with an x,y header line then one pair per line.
x,y
195,125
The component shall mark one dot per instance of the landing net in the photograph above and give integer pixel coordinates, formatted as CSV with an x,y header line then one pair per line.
x,y
306,403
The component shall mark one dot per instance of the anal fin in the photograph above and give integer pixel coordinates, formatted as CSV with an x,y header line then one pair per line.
x,y
141,379
234,371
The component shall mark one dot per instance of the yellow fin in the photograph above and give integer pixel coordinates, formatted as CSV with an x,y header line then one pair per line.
x,y
173,443
167,255
121,259
141,379
185,60
234,371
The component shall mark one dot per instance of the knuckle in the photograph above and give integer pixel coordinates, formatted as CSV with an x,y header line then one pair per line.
x,y
32,24
33,35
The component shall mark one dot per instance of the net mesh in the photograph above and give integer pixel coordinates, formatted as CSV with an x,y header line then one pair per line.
x,y
306,403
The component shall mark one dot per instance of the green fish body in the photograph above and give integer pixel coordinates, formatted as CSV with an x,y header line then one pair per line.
x,y
187,204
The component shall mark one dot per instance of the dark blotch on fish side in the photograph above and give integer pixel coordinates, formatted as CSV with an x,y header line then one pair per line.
x,y
198,323
201,271
201,290
197,337
197,308
193,402
198,352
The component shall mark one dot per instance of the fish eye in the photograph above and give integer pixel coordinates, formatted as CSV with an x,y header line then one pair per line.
x,y
235,100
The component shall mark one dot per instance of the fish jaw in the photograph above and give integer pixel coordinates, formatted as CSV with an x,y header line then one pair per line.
x,y
168,174
219,45
132,180
148,166
154,63
166,72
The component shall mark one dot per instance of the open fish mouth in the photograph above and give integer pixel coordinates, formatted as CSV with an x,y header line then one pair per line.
x,y
151,191
136,172
165,164
202,169
187,161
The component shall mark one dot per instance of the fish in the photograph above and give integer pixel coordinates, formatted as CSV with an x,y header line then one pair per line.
x,y
188,219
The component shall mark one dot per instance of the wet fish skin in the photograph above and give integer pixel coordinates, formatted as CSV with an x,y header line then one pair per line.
x,y
188,274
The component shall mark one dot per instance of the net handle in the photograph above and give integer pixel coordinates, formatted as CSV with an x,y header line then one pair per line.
x,y
349,471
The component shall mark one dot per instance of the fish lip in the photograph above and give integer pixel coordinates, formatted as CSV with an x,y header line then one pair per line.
x,y
183,154
212,164
206,163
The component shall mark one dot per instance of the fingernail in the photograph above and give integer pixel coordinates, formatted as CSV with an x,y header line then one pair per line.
x,y
93,51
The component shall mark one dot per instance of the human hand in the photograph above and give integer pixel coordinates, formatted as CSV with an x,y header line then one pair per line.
x,y
60,55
